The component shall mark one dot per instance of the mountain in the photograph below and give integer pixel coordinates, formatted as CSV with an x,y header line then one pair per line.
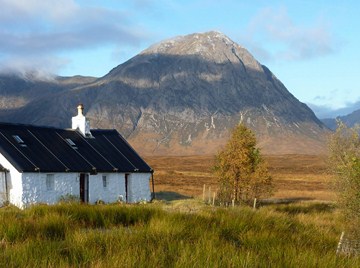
x,y
182,96
350,120
24,98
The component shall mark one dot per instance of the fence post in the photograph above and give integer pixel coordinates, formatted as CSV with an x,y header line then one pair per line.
x,y
254,206
213,201
204,190
233,202
340,243
209,195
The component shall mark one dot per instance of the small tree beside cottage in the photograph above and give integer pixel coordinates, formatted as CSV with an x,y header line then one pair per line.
x,y
241,170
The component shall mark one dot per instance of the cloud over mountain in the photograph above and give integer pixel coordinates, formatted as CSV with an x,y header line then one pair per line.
x,y
34,31
274,27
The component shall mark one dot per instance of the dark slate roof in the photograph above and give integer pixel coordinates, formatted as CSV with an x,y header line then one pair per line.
x,y
46,149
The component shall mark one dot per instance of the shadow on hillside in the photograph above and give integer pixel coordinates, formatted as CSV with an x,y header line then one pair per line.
x,y
170,196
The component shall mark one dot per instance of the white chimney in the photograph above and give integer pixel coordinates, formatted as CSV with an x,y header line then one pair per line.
x,y
80,122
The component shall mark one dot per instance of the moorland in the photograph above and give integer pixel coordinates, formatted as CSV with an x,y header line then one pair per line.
x,y
179,229
296,177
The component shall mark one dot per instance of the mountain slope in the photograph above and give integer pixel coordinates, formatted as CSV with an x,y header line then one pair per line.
x,y
31,99
183,95
350,120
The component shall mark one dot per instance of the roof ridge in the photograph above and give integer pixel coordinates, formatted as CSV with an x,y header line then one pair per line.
x,y
29,125
50,127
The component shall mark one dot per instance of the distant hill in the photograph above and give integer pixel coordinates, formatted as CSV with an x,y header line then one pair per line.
x,y
179,97
350,120
29,99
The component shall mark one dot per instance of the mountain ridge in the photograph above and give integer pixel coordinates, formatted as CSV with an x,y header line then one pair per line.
x,y
350,120
183,96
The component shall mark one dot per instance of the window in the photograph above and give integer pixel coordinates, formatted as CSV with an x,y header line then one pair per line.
x,y
71,143
19,140
105,181
50,182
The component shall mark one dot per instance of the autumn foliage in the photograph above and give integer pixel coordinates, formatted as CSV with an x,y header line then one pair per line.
x,y
241,171
344,149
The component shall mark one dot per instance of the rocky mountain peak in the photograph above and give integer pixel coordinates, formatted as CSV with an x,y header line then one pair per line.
x,y
212,46
196,43
203,56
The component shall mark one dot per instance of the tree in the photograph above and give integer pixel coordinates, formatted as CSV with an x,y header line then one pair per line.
x,y
344,156
241,171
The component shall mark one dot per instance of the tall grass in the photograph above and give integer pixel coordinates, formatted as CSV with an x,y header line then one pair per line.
x,y
147,236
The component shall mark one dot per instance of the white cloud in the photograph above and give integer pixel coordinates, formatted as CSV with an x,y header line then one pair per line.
x,y
35,11
336,99
326,111
40,30
38,67
286,39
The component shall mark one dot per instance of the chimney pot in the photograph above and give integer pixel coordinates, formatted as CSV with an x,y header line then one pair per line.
x,y
80,109
80,122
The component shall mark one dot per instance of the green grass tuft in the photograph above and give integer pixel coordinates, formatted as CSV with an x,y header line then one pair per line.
x,y
76,235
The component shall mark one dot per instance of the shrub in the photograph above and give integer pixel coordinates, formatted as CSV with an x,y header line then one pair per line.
x,y
69,198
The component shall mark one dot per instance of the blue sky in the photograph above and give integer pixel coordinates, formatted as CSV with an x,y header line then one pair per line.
x,y
311,46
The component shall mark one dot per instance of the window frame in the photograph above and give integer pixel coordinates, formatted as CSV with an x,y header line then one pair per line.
x,y
105,181
50,182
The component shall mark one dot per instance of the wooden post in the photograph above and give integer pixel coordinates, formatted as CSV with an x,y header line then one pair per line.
x,y
210,195
204,190
338,250
214,194
254,207
233,202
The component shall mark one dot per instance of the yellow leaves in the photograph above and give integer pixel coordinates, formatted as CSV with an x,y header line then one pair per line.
x,y
344,155
241,168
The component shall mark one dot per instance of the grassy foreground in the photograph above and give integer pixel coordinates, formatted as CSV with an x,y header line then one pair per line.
x,y
159,235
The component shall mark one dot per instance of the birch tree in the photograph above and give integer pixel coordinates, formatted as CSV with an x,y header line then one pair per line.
x,y
241,171
344,156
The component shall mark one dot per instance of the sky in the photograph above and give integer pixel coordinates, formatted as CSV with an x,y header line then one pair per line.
x,y
311,46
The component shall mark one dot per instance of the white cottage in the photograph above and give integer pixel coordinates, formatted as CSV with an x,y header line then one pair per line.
x,y
43,164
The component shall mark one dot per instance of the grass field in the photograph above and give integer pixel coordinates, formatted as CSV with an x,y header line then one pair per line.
x,y
182,231
296,177
160,235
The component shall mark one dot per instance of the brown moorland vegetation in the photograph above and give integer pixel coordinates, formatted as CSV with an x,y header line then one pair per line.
x,y
296,177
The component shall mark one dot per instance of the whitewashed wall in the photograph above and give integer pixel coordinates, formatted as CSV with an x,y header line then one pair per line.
x,y
14,182
139,187
35,190
3,196
30,188
114,190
